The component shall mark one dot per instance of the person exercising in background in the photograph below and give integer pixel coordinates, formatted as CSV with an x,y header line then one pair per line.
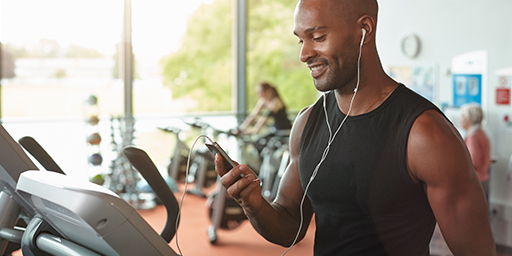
x,y
270,101
377,164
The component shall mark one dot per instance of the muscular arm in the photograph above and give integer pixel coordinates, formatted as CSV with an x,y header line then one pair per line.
x,y
278,221
438,157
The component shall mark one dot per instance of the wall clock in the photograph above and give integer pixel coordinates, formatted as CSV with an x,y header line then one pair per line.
x,y
411,45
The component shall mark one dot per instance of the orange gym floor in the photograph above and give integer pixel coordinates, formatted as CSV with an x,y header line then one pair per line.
x,y
193,238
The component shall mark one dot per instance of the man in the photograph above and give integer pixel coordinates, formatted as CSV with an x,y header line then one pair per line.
x,y
387,170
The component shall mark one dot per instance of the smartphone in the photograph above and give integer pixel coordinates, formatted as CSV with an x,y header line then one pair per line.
x,y
216,149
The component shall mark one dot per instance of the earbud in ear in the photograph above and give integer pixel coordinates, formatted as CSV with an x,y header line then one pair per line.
x,y
364,34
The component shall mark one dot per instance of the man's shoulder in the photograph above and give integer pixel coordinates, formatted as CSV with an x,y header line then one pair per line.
x,y
433,122
302,118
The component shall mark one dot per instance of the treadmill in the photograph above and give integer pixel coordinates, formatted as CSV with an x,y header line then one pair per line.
x,y
67,216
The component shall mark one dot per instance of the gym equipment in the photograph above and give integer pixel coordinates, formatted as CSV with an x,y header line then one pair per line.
x,y
202,172
59,224
14,159
98,179
122,179
177,167
275,157
94,139
96,159
202,168
92,100
230,218
233,215
93,120
38,152
107,226
224,211
270,194
141,162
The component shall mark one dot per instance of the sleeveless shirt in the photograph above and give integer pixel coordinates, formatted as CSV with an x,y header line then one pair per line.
x,y
364,200
281,121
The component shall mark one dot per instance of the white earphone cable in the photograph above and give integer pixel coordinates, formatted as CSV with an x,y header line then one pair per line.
x,y
315,171
331,140
185,189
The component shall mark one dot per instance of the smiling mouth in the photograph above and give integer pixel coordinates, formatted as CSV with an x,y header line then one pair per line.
x,y
317,70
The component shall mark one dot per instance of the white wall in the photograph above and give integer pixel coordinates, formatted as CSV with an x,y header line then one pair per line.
x,y
448,28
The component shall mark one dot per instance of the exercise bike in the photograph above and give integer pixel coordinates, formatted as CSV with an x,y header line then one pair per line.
x,y
275,157
202,168
224,212
177,167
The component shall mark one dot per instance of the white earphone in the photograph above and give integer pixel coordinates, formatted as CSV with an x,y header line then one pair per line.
x,y
364,34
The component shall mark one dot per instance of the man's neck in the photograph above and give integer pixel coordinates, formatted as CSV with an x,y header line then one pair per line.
x,y
367,98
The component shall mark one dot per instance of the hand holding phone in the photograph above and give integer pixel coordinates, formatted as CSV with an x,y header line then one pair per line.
x,y
228,163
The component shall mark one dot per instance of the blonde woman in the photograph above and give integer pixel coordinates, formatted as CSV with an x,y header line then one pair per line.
x,y
471,116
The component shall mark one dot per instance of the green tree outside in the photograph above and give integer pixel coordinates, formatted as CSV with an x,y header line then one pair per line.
x,y
201,69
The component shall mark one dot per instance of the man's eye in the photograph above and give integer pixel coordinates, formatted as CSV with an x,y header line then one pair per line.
x,y
318,39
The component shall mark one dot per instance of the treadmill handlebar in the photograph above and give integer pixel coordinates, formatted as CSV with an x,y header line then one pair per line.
x,y
143,163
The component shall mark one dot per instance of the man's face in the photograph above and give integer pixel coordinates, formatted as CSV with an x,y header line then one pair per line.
x,y
328,46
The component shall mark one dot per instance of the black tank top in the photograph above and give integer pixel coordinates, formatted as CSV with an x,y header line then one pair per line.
x,y
364,200
281,121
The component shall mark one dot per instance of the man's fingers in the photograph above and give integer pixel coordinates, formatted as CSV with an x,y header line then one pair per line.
x,y
253,183
230,177
243,187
